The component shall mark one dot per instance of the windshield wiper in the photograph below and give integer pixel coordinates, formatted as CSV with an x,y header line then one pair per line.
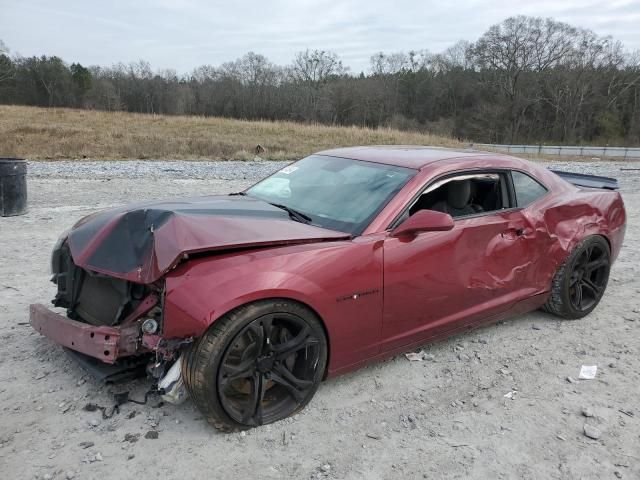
x,y
294,214
238,193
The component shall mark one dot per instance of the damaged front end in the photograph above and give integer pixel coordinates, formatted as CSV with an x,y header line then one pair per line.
x,y
111,272
112,326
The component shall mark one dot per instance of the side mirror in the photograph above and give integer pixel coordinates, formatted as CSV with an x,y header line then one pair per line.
x,y
424,221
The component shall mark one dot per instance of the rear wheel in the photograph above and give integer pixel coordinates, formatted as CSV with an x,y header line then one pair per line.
x,y
258,364
581,280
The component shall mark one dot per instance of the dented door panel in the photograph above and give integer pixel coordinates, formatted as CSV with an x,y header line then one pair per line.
x,y
436,280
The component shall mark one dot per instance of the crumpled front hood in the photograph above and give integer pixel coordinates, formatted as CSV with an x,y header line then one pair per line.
x,y
141,242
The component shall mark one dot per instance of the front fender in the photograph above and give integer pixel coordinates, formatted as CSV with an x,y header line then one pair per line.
x,y
340,281
193,302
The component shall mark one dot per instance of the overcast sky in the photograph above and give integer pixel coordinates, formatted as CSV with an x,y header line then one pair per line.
x,y
182,34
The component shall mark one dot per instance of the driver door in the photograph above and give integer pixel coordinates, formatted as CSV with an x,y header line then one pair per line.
x,y
439,282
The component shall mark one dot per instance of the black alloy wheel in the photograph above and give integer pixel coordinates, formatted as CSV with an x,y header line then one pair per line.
x,y
588,277
580,282
256,365
268,370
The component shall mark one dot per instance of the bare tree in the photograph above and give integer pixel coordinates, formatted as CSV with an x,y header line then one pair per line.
x,y
313,69
389,63
6,65
455,56
517,46
251,81
317,66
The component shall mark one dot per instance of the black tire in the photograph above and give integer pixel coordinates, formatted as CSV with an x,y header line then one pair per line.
x,y
581,280
251,361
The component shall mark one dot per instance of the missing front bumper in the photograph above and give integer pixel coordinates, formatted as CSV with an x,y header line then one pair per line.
x,y
107,344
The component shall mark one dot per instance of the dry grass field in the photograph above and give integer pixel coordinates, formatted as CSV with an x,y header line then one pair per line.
x,y
61,133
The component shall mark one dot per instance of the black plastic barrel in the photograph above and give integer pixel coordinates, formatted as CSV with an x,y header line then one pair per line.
x,y
13,186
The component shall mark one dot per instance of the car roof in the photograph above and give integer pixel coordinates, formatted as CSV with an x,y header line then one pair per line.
x,y
409,156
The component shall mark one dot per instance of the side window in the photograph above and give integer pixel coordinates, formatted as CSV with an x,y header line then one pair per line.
x,y
465,194
527,189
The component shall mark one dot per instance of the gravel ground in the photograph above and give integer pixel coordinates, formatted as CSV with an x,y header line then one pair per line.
x,y
156,169
500,402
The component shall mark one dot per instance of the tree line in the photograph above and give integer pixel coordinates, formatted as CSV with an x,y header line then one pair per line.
x,y
525,80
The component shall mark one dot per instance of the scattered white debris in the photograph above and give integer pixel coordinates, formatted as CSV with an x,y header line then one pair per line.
x,y
419,356
92,458
588,372
510,394
592,432
587,412
172,384
414,357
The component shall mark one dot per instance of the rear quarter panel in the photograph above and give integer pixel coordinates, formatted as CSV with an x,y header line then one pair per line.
x,y
572,213
588,212
562,220
566,216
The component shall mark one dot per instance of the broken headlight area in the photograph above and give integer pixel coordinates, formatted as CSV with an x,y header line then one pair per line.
x,y
95,298
112,326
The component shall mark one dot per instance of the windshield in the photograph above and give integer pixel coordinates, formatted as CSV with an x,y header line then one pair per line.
x,y
336,193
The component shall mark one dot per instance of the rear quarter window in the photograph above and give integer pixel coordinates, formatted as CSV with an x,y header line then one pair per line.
x,y
527,189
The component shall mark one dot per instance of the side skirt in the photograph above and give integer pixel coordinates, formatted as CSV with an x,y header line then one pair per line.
x,y
524,306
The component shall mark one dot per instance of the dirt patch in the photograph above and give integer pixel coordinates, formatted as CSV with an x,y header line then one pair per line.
x,y
501,402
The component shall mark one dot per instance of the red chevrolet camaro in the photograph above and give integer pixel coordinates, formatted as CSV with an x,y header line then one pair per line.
x,y
247,301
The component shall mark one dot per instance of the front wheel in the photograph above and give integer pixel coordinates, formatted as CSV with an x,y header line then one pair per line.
x,y
581,280
256,365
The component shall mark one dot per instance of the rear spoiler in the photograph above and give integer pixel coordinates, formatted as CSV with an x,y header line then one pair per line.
x,y
590,181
